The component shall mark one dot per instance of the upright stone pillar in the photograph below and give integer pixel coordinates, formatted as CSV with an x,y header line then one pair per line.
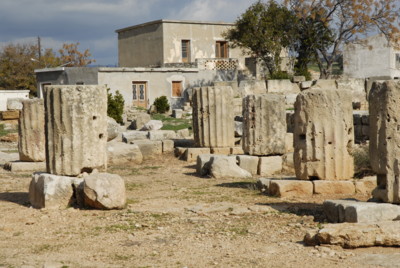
x,y
213,117
76,129
31,140
384,151
264,124
323,135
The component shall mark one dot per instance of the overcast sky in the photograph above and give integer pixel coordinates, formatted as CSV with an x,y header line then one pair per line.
x,y
93,22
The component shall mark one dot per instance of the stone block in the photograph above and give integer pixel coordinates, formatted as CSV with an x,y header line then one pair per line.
x,y
177,113
323,150
192,153
237,150
263,184
326,84
298,78
338,211
14,104
52,191
113,128
289,147
226,166
104,191
366,185
334,187
264,124
213,117
76,128
306,85
19,166
250,87
203,164
159,135
182,133
180,152
290,100
149,148
288,163
167,146
152,125
10,115
31,134
134,135
384,100
290,188
269,165
120,153
222,151
139,120
238,129
249,163
282,86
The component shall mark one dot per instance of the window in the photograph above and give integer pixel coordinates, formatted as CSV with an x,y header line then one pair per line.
x,y
185,50
398,60
221,49
177,89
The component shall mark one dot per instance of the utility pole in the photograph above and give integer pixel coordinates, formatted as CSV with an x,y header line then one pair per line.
x,y
39,48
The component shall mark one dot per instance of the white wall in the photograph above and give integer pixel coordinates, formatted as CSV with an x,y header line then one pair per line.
x,y
11,94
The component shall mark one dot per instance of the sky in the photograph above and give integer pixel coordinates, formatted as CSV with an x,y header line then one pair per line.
x,y
92,23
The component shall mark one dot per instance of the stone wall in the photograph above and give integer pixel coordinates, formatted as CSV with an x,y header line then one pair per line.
x,y
76,129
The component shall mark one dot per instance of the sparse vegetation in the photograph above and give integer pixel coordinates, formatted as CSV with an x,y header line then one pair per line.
x,y
362,165
170,123
161,104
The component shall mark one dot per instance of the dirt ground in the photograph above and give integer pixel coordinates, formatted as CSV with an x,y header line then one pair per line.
x,y
173,219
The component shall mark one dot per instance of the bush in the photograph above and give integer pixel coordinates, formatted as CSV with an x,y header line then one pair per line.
x,y
161,104
303,72
115,106
279,75
362,166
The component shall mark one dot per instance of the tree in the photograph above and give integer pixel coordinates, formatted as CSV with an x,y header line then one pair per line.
x,y
115,106
263,31
18,62
71,56
336,22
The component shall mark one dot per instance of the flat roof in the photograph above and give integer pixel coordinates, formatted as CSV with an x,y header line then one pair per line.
x,y
174,21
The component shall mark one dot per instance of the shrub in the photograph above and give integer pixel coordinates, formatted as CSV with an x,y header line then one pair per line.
x,y
115,106
303,72
279,75
362,166
161,104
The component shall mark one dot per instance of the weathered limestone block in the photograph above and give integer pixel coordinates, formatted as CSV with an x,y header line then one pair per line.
x,y
134,135
167,146
213,117
159,135
384,149
223,151
120,153
226,166
290,188
31,141
192,153
323,135
366,185
76,128
334,187
10,115
249,163
264,124
203,164
270,165
149,149
52,191
18,166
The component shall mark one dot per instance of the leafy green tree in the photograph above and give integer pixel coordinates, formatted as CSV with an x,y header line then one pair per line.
x,y
263,31
115,106
336,22
161,104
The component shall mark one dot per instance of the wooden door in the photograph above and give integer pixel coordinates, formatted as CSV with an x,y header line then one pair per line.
x,y
139,90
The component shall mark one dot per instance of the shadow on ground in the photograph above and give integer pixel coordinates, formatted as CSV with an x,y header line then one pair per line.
x,y
300,209
240,184
20,198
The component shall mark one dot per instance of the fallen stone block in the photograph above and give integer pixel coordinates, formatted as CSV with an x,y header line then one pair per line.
x,y
306,85
18,166
139,120
113,129
290,188
249,163
366,185
356,211
159,135
134,135
237,150
149,148
222,151
104,191
225,166
203,164
192,153
119,153
52,191
263,184
153,125
167,146
269,165
354,235
334,187
10,115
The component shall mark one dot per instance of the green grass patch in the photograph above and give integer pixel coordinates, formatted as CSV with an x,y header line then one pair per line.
x,y
170,123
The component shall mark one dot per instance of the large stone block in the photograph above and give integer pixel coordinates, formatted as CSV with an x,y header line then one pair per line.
x,y
384,101
264,124
226,166
290,188
270,165
134,135
192,153
18,166
52,191
159,135
149,149
31,134
10,115
76,128
323,135
334,187
120,153
213,117
249,163
366,185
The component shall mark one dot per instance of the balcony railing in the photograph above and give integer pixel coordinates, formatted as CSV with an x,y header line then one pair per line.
x,y
217,64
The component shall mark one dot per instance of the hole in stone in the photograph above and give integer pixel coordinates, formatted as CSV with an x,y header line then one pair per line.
x,y
329,142
87,170
94,117
350,129
101,136
389,138
302,136
313,178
